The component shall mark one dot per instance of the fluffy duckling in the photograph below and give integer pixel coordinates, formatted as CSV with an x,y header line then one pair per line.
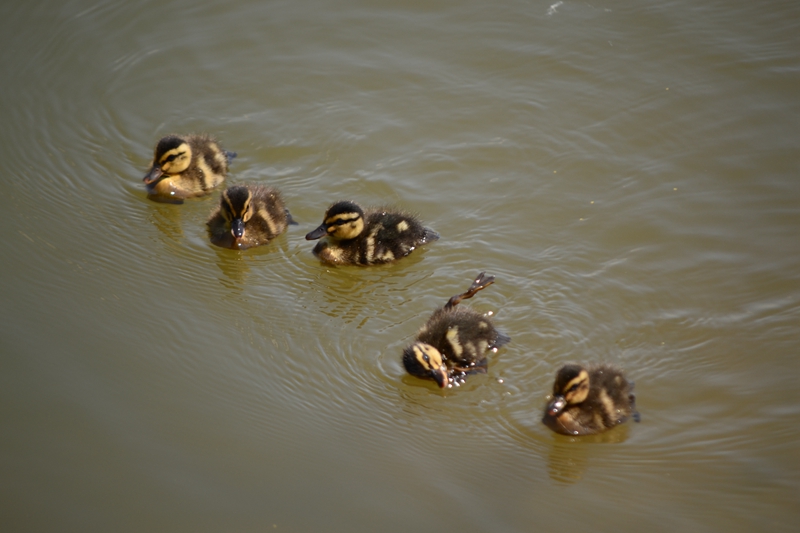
x,y
453,342
186,166
588,401
247,216
358,237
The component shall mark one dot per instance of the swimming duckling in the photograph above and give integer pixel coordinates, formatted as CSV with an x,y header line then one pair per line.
x,y
588,401
453,342
247,216
186,166
356,237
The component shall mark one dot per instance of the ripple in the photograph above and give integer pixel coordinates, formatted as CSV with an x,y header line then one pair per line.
x,y
623,221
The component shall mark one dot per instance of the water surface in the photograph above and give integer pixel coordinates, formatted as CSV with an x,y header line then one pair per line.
x,y
627,172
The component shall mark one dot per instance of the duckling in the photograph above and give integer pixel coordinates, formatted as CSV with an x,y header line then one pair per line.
x,y
453,342
586,401
186,166
358,237
247,216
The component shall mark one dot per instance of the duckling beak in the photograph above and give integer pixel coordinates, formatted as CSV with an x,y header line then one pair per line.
x,y
154,174
556,405
317,233
237,228
440,375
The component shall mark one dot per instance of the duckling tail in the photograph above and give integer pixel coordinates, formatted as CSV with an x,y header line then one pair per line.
x,y
634,413
429,235
501,340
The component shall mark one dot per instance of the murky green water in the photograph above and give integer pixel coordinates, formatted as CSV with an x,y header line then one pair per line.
x,y
629,173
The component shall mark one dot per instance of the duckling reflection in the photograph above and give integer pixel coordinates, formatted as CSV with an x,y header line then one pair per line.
x,y
570,457
358,296
358,237
234,272
186,166
453,342
248,216
589,401
168,220
566,462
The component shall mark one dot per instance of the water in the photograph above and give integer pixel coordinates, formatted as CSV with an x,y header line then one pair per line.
x,y
628,173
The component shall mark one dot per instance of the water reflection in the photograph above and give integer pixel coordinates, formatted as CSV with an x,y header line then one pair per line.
x,y
234,269
236,265
566,463
570,457
593,161
428,386
355,293
168,219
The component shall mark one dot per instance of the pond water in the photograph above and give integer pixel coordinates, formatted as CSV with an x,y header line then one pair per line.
x,y
629,173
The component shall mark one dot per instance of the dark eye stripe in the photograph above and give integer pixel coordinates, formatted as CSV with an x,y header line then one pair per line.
x,y
172,157
340,221
575,386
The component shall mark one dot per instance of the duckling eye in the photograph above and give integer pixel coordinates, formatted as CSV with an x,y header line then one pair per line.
x,y
172,157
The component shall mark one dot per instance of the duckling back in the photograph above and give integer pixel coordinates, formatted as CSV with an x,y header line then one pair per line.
x,y
463,337
392,235
186,166
248,216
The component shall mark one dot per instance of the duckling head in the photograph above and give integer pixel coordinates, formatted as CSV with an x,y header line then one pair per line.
x,y
571,387
343,221
172,156
425,361
235,206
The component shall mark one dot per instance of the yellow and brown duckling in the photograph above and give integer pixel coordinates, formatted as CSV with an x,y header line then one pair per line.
x,y
248,216
359,237
186,166
454,341
586,401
